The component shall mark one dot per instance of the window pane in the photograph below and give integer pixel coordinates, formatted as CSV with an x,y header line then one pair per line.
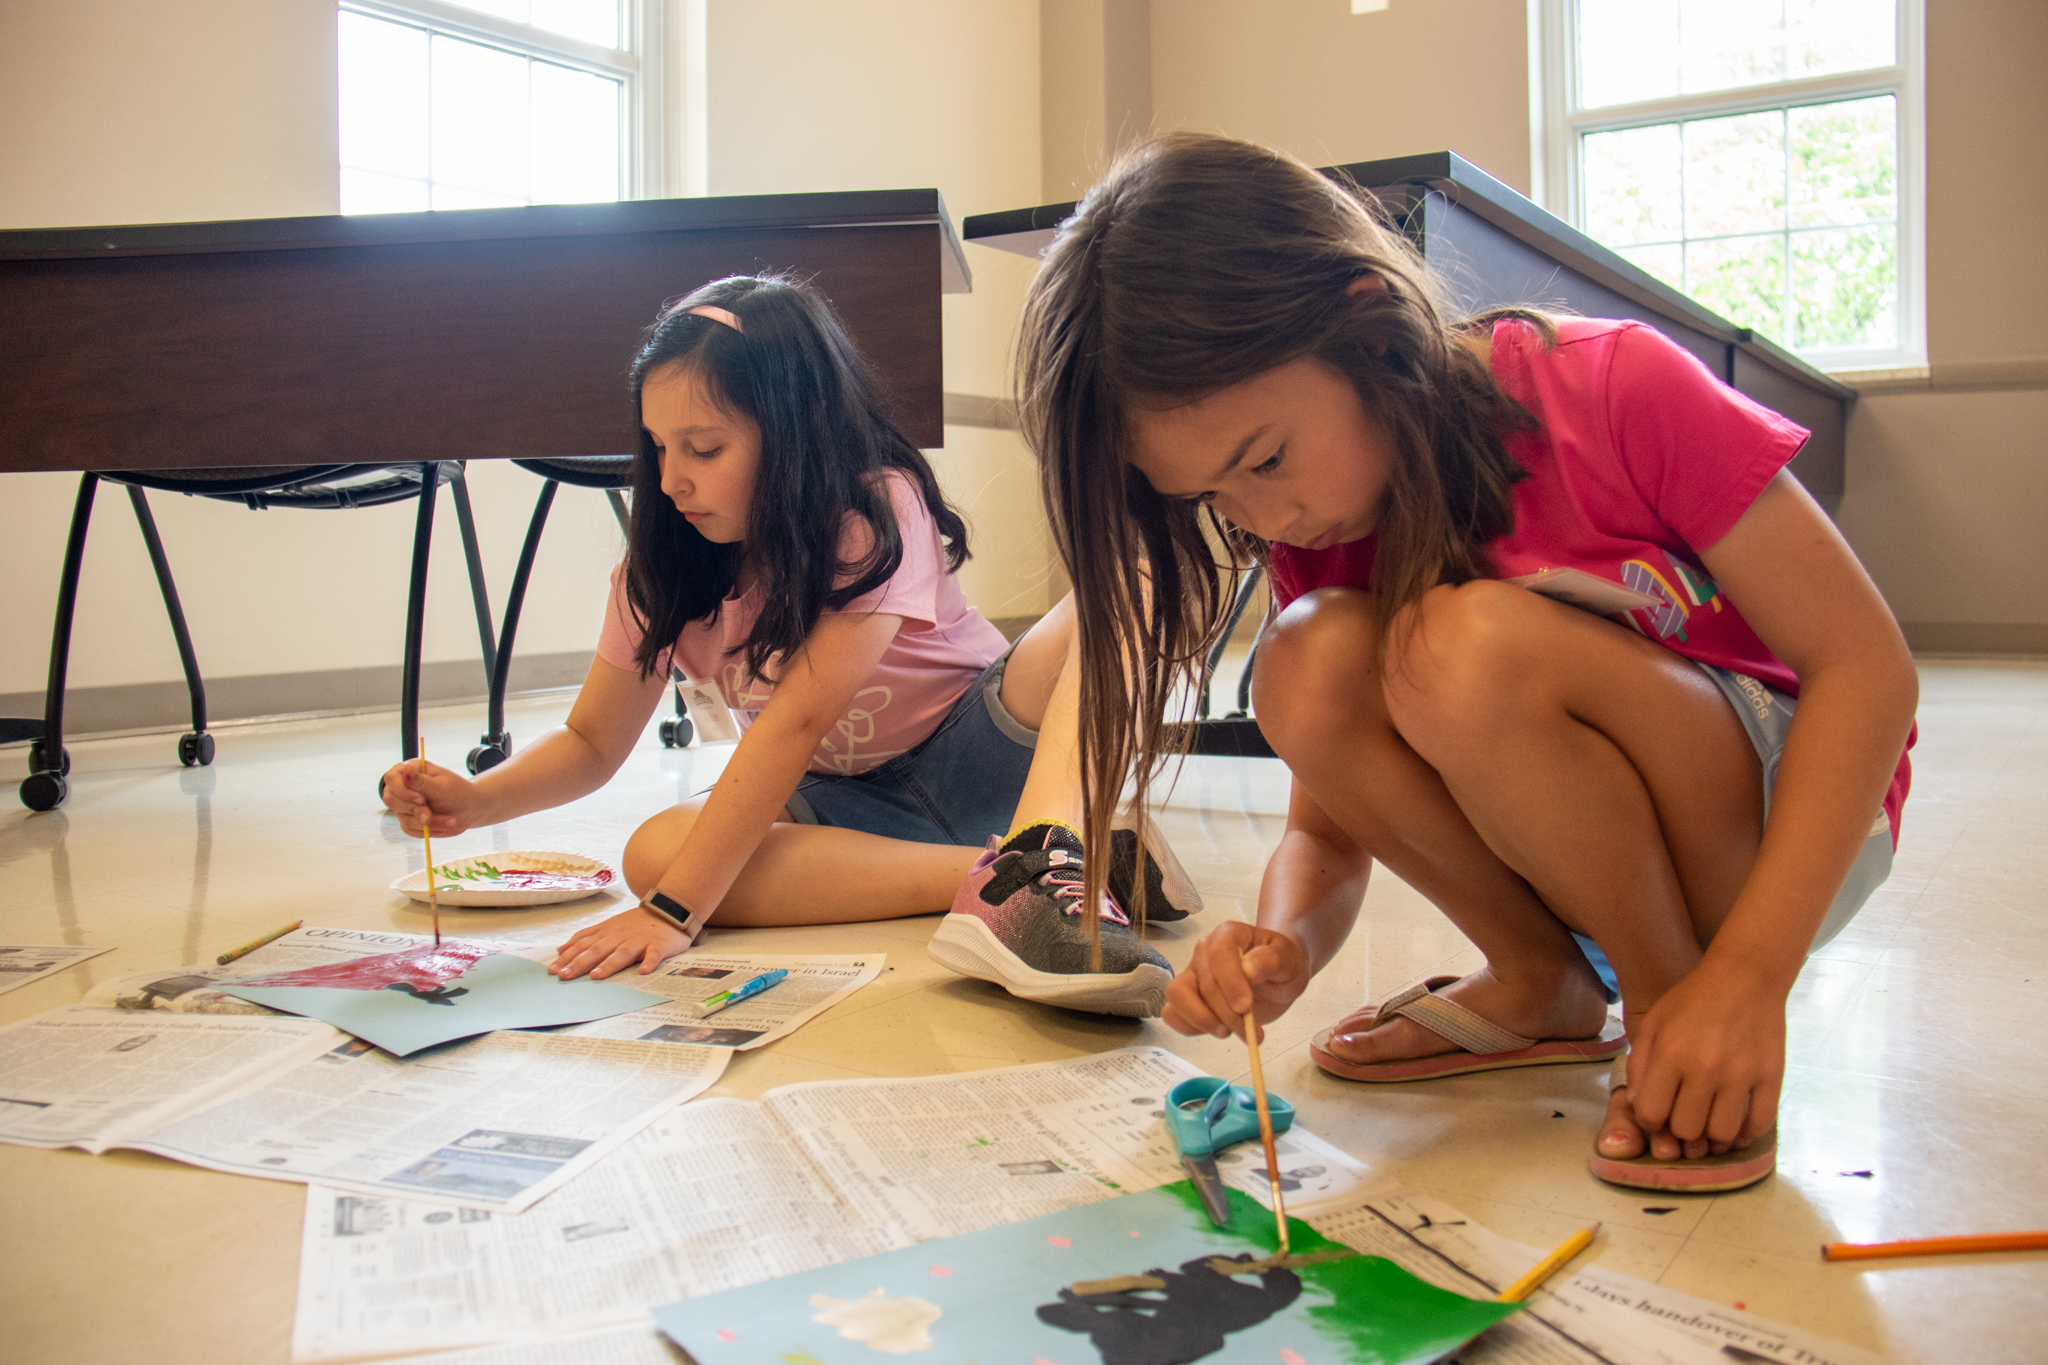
x,y
1667,263
1843,161
1825,36
382,70
594,21
1741,278
515,10
1628,51
1632,185
575,136
479,122
1724,44
1845,287
369,192
1735,174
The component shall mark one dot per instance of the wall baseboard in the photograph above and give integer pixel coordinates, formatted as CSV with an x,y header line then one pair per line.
x,y
1976,637
166,706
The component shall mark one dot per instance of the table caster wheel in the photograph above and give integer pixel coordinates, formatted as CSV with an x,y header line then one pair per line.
x,y
195,750
36,764
676,732
44,791
487,756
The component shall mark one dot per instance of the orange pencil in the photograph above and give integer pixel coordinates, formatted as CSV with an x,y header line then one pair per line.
x,y
1935,1246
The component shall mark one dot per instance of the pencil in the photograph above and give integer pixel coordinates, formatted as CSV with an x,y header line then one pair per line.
x,y
427,837
253,944
1251,1042
1935,1246
1548,1266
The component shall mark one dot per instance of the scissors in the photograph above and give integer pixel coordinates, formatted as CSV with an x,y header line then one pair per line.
x,y
1207,1114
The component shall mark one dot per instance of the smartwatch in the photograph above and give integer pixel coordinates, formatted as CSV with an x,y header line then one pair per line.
x,y
691,922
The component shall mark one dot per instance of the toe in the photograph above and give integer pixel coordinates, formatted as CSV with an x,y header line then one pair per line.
x,y
1620,1137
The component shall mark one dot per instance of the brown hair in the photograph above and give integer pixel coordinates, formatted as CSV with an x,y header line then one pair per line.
x,y
1196,264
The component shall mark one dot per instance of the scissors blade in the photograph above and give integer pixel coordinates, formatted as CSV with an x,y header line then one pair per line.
x,y
1209,1184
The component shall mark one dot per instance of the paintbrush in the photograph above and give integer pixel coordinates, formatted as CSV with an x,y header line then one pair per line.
x,y
427,837
1251,1043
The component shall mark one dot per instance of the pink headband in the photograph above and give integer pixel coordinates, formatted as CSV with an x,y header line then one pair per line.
x,y
723,315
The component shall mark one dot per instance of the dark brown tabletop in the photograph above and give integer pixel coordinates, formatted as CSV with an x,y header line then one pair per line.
x,y
475,334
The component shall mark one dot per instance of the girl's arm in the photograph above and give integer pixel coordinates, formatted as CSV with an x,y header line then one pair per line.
x,y
1709,1057
1308,901
607,720
813,692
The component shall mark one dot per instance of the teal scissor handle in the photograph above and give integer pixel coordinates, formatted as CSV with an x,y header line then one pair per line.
x,y
1207,1114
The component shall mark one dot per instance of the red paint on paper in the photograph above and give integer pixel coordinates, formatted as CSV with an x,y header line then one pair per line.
x,y
1059,1241
941,1271
427,966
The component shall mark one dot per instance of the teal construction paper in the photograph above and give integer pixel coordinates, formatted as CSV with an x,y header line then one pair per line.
x,y
500,991
995,1295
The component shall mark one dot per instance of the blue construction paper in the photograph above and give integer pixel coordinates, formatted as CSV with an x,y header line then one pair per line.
x,y
500,991
995,1295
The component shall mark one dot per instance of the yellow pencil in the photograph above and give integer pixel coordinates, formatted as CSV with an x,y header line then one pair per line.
x,y
427,837
1548,1266
253,944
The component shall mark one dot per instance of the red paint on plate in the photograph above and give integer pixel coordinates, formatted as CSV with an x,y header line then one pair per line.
x,y
427,965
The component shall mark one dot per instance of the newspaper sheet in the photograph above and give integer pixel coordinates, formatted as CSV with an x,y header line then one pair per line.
x,y
724,1193
496,1121
638,1345
1594,1317
95,1078
188,990
23,963
814,985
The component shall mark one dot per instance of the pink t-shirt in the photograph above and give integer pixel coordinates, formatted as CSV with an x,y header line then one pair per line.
x,y
941,647
1642,459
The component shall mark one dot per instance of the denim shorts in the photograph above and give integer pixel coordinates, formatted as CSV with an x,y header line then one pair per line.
x,y
1766,714
959,786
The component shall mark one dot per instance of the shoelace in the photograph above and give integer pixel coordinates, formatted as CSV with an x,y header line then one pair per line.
x,y
1058,872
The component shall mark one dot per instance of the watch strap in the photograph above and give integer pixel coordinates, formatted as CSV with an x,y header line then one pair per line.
x,y
691,922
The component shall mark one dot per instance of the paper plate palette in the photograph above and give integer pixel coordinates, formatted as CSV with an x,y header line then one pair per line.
x,y
504,880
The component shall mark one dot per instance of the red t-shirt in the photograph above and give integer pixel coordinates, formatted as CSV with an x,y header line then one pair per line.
x,y
1642,459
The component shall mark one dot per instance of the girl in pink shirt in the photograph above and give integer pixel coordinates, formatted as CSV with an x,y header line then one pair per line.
x,y
1558,640
790,551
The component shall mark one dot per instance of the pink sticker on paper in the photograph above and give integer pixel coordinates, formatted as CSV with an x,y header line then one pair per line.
x,y
1288,1357
1059,1241
427,966
941,1271
727,1334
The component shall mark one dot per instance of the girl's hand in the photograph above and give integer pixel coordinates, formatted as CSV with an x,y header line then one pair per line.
x,y
638,935
427,796
1237,969
1706,1063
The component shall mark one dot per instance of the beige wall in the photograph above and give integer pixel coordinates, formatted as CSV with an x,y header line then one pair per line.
x,y
1313,79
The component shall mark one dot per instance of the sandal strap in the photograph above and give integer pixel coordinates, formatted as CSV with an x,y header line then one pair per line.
x,y
1451,1020
1618,1077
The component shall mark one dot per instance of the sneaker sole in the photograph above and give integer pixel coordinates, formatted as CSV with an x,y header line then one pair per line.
x,y
966,945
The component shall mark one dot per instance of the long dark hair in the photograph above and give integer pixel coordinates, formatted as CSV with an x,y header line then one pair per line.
x,y
826,433
1196,264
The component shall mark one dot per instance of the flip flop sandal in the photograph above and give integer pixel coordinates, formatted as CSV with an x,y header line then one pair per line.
x,y
1487,1046
1710,1174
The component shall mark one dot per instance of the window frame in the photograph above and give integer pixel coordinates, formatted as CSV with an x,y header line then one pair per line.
x,y
1558,124
639,66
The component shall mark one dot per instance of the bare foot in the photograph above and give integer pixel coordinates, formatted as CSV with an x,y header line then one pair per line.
x,y
1621,1137
1569,1006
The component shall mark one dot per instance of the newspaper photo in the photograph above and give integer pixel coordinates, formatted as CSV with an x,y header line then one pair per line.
x,y
814,985
724,1193
1592,1317
20,964
95,1078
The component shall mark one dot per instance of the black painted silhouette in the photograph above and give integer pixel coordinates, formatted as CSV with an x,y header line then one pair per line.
x,y
1183,1322
438,995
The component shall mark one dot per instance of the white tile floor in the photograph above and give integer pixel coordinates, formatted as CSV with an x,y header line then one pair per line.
x,y
1913,1035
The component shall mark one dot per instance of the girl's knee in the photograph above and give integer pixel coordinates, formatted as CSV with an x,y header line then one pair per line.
x,y
1460,654
1315,664
654,846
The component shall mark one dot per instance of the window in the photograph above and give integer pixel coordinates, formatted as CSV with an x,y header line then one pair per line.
x,y
1762,156
494,103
